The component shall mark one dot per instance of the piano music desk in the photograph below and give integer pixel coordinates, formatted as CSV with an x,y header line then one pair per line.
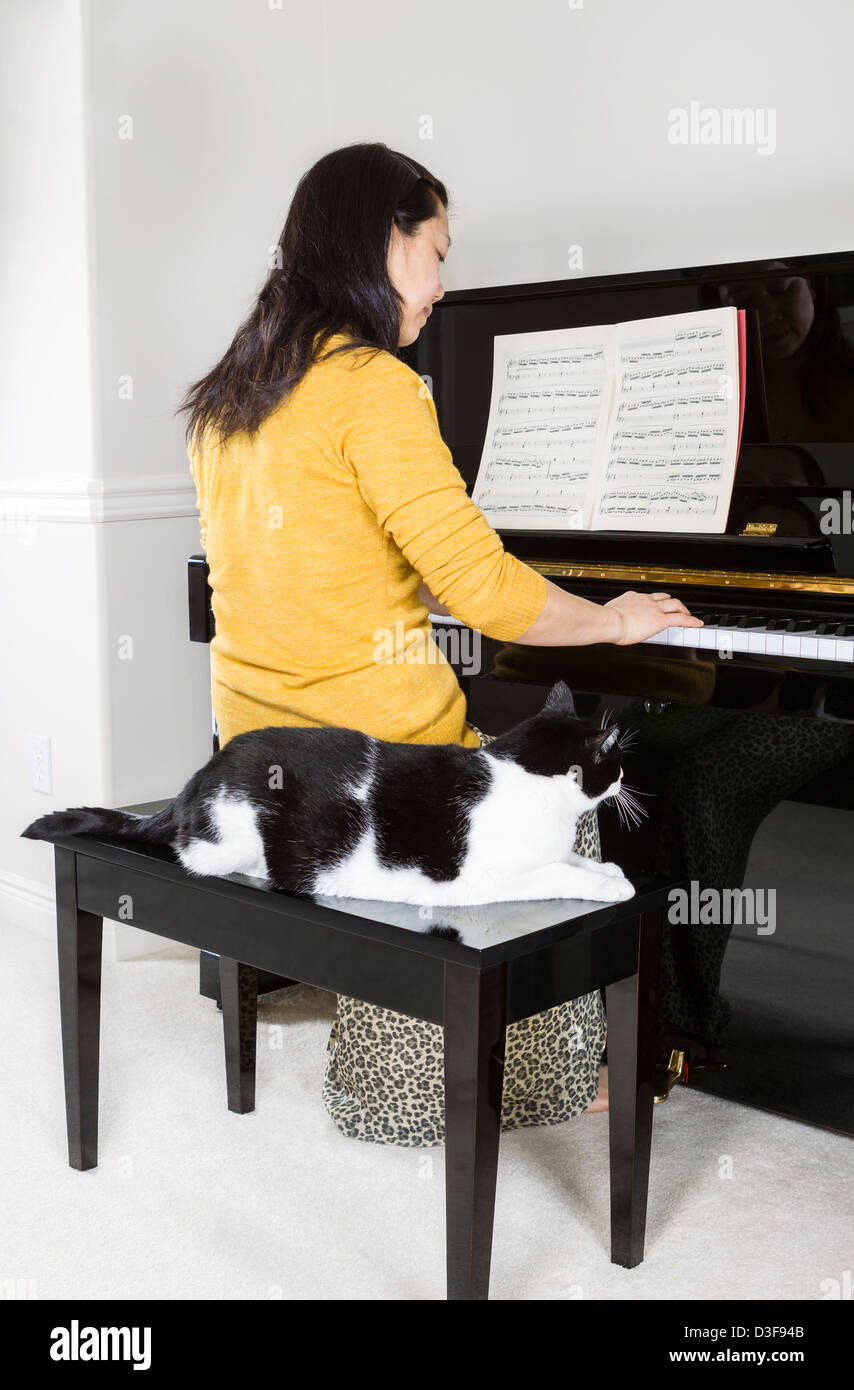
x,y
384,953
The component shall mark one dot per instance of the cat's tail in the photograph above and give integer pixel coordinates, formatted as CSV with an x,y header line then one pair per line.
x,y
158,829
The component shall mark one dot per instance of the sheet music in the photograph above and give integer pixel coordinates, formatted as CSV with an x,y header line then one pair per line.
x,y
673,435
547,419
631,426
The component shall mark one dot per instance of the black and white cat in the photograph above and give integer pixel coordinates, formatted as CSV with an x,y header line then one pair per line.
x,y
336,812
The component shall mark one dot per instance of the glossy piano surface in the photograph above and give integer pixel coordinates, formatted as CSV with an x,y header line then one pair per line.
x,y
796,467
744,731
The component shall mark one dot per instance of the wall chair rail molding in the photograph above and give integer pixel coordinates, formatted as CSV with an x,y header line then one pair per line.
x,y
140,497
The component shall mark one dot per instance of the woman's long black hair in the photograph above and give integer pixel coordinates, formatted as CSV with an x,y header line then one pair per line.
x,y
330,276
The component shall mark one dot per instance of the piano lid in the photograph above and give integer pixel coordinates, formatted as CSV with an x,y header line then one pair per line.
x,y
792,510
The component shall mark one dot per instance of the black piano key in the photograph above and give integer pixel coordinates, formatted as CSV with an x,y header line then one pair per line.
x,y
828,629
728,620
751,621
777,624
801,625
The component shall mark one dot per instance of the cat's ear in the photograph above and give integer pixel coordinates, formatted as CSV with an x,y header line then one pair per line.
x,y
560,697
601,742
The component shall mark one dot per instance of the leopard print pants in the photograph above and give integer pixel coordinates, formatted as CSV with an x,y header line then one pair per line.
x,y
384,1078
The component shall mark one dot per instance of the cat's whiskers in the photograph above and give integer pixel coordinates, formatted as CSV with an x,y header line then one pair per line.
x,y
636,791
633,810
630,810
626,814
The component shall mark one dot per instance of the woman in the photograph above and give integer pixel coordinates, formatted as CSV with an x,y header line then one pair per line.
x,y
332,514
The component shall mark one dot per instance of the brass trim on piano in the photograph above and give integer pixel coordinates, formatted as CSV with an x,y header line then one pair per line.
x,y
660,574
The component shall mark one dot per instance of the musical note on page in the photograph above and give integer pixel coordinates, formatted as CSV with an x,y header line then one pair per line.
x,y
673,424
550,398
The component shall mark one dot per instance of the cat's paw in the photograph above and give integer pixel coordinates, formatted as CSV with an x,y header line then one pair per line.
x,y
616,890
611,870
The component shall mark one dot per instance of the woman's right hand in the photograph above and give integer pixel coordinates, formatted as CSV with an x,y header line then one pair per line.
x,y
644,615
567,620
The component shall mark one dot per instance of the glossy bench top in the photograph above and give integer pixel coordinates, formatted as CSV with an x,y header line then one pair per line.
x,y
482,935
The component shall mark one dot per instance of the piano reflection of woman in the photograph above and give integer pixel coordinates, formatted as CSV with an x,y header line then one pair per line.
x,y
806,385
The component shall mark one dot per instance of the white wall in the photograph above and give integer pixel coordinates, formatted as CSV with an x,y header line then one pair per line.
x,y
52,602
136,258
45,343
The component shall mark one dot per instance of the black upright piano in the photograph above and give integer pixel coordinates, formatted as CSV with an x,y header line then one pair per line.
x,y
743,736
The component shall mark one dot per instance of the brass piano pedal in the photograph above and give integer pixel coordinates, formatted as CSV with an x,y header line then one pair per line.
x,y
676,1070
679,1069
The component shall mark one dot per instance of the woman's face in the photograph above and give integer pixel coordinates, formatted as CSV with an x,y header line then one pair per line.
x,y
786,307
414,266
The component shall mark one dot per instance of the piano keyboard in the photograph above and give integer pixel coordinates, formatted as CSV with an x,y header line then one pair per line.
x,y
813,639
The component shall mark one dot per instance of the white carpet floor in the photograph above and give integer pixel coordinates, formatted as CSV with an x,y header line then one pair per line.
x,y
190,1201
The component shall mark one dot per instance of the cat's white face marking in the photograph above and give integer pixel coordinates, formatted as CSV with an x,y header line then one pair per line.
x,y
238,847
614,787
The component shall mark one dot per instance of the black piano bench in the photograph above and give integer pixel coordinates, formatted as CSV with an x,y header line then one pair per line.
x,y
500,963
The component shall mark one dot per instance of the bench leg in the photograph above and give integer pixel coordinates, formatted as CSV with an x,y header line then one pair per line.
x,y
632,1010
209,978
239,988
475,1021
79,938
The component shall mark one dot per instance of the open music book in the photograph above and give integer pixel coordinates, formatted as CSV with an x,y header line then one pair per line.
x,y
631,426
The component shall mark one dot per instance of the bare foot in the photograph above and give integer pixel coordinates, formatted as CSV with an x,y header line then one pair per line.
x,y
601,1101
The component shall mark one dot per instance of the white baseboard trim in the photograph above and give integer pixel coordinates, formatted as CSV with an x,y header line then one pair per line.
x,y
132,943
30,905
141,497
24,902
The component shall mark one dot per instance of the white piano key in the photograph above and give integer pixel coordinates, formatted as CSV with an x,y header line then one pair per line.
x,y
757,641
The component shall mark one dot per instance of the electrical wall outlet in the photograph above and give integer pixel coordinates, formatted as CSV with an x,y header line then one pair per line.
x,y
41,767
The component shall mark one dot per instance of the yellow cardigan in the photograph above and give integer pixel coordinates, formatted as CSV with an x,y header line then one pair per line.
x,y
318,531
